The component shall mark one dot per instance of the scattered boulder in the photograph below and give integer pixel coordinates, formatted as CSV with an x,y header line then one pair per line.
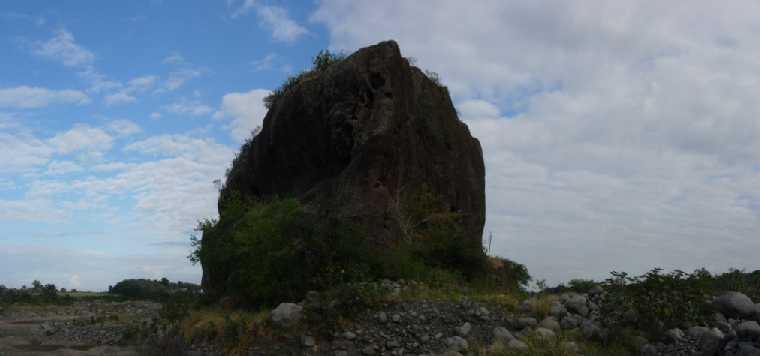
x,y
570,321
457,343
675,335
464,329
525,322
544,333
502,334
551,324
748,330
735,305
517,345
287,314
577,303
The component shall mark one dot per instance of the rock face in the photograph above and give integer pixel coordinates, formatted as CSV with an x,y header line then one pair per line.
x,y
356,139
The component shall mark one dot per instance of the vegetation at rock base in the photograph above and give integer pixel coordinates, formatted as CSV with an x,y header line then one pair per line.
x,y
274,250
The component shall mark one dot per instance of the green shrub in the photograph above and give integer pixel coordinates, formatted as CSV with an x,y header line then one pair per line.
x,y
655,302
274,251
504,275
320,63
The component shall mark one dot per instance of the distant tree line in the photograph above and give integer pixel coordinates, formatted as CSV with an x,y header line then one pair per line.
x,y
38,294
159,289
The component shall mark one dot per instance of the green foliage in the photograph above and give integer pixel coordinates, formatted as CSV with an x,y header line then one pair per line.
x,y
321,62
342,302
275,251
39,295
655,302
267,252
504,275
433,236
152,289
324,59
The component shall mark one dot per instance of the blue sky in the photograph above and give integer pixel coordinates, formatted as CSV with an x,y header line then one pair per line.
x,y
616,139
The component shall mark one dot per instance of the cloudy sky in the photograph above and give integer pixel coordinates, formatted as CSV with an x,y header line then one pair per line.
x,y
616,135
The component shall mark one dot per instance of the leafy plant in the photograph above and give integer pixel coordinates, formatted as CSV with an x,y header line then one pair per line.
x,y
320,63
655,302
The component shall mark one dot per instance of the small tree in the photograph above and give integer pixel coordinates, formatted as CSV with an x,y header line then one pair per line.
x,y
36,284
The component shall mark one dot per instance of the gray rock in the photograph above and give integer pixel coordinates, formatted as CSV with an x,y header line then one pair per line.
x,y
748,330
557,310
569,346
525,322
286,314
649,350
457,343
382,317
451,353
308,341
502,334
595,290
570,321
464,329
369,350
696,332
349,335
396,318
590,330
747,349
551,324
724,326
709,340
544,333
517,345
675,335
577,303
735,304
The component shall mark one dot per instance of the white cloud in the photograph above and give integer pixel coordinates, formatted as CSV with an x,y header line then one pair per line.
x,y
183,72
119,98
21,152
179,77
277,20
124,127
188,107
155,115
111,167
63,47
127,92
63,167
264,63
632,139
241,9
142,83
25,97
247,111
478,109
174,58
81,137
29,210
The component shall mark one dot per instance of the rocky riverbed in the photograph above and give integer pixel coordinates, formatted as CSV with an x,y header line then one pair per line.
x,y
82,328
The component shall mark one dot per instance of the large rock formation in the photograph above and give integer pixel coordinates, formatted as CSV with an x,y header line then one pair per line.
x,y
356,138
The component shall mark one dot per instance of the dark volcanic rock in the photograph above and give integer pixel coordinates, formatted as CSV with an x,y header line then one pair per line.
x,y
354,139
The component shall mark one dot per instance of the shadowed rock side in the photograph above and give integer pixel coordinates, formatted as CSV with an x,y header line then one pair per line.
x,y
354,140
